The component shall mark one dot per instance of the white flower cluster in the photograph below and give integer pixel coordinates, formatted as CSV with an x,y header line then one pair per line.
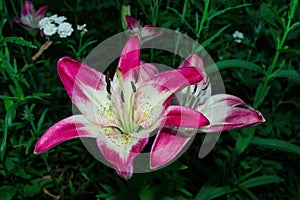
x,y
238,36
55,24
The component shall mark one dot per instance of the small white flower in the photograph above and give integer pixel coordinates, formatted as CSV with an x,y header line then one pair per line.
x,y
238,36
81,27
65,29
43,22
53,17
60,19
49,29
238,40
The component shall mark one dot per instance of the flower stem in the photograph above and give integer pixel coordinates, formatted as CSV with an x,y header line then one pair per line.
x,y
41,50
271,68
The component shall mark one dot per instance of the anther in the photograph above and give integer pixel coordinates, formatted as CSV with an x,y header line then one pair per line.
x,y
107,82
122,96
133,87
195,89
136,77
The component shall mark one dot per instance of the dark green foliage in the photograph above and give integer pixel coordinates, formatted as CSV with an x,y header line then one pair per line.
x,y
254,163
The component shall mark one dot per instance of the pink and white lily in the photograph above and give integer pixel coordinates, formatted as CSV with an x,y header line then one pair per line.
x,y
30,17
146,33
122,112
223,111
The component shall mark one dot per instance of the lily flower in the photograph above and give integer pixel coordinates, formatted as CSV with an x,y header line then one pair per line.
x,y
30,17
223,111
120,113
146,33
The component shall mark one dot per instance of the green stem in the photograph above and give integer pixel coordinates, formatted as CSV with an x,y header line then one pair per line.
x,y
203,19
80,46
183,11
270,70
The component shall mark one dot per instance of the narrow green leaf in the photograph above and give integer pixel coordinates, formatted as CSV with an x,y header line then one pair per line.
x,y
31,189
86,44
147,193
220,191
41,120
175,166
19,41
7,192
185,22
294,26
8,98
225,10
10,115
209,188
7,104
293,8
277,17
235,63
258,99
244,140
286,73
289,50
260,180
277,144
211,38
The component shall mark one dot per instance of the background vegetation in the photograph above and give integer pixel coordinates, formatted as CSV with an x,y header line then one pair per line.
x,y
254,163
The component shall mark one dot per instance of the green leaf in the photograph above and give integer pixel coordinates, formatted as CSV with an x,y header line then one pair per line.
x,y
286,73
209,188
220,191
8,103
235,63
41,120
14,167
277,17
17,40
32,188
180,15
289,50
225,10
7,192
260,180
175,166
211,38
147,193
258,99
277,144
294,26
10,115
293,8
214,192
28,144
244,140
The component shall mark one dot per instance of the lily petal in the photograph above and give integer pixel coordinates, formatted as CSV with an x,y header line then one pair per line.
x,y
27,8
223,114
87,90
193,61
167,146
128,69
149,32
130,58
120,150
225,100
41,12
152,97
180,116
147,71
131,22
64,130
